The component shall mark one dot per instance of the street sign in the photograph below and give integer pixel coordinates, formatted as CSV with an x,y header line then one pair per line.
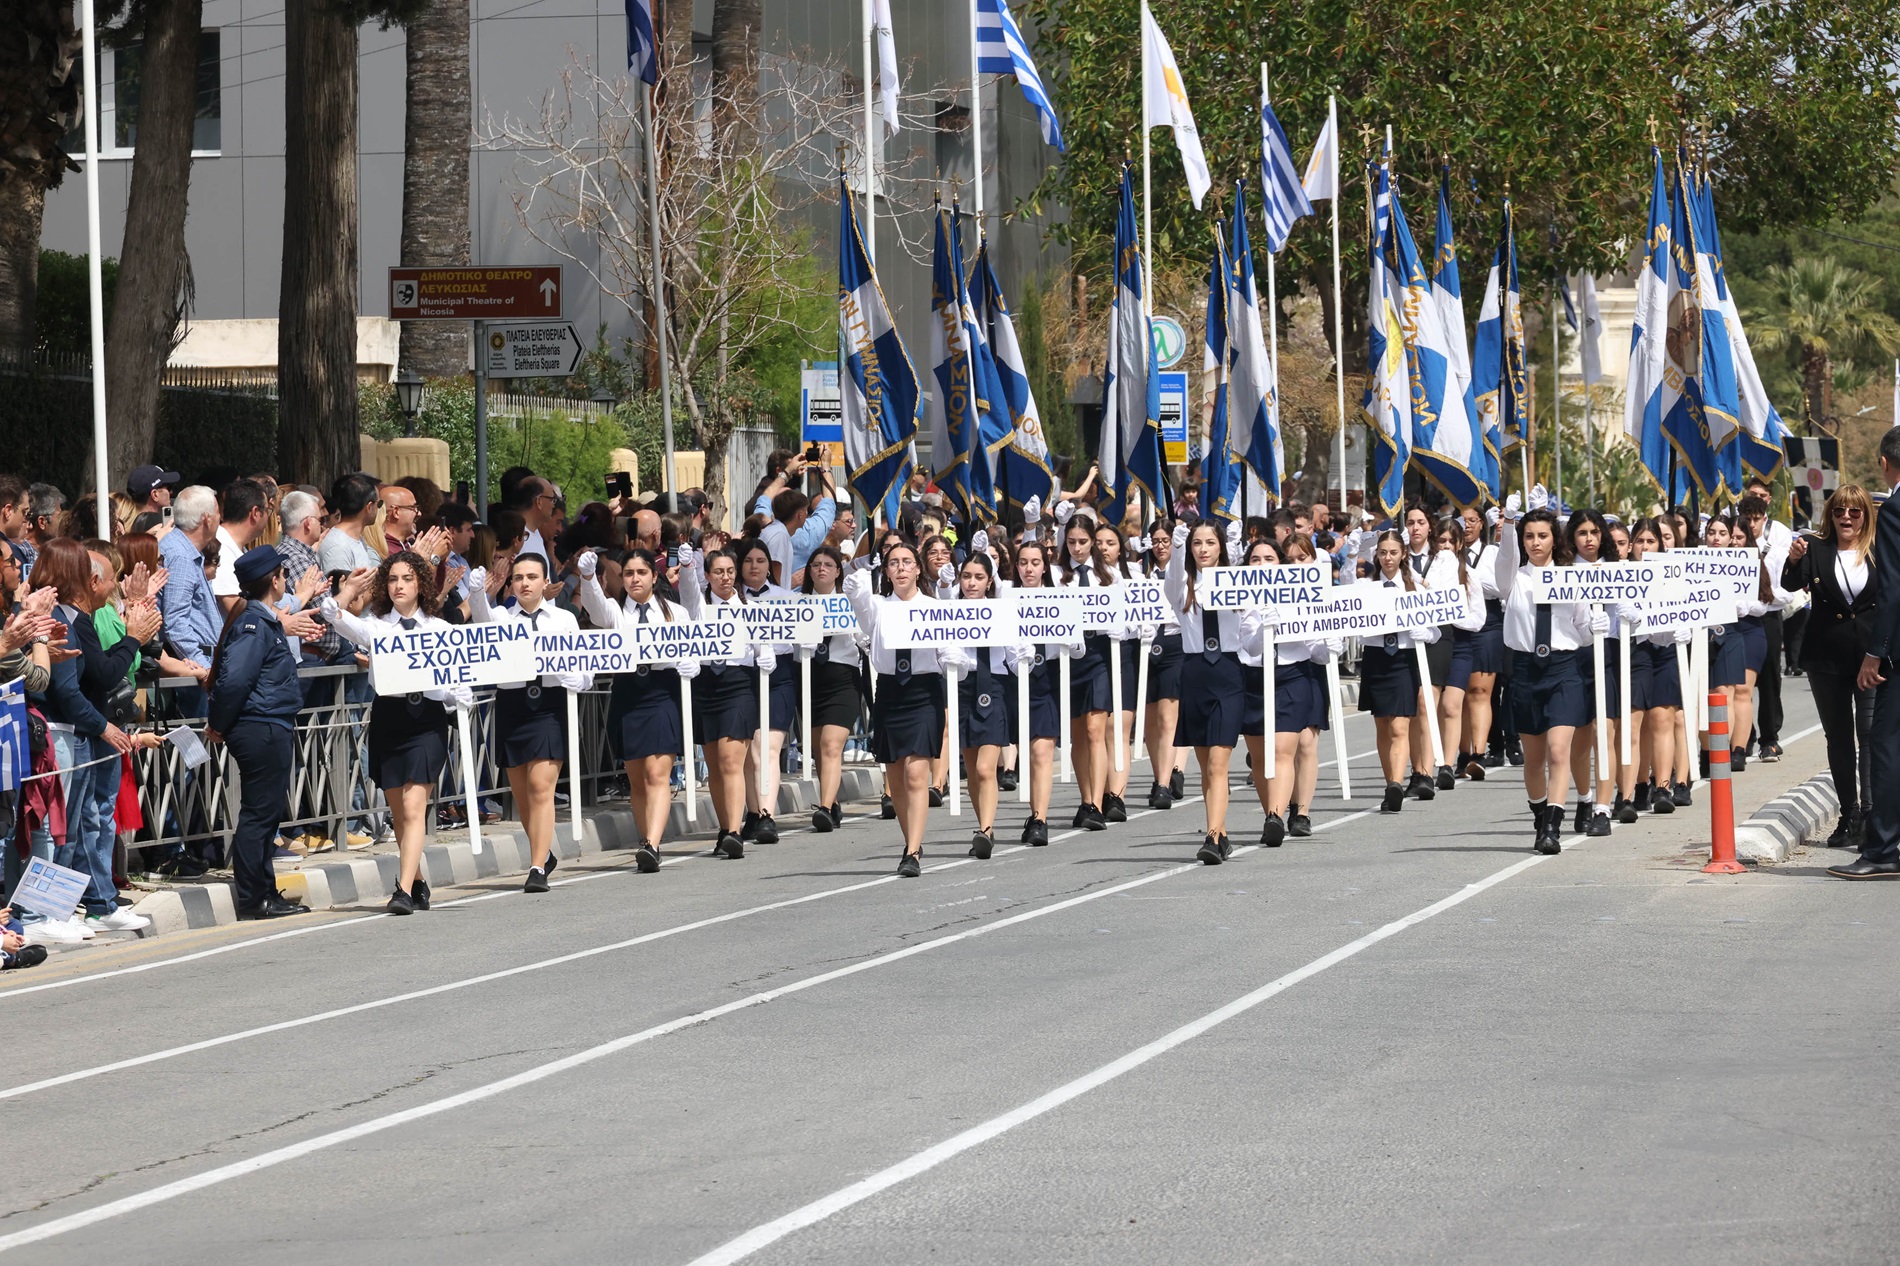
x,y
822,411
532,351
1174,434
478,294
1170,341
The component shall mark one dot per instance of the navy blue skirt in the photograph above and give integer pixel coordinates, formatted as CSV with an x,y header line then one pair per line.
x,y
983,711
1388,681
1300,701
643,714
1728,655
1438,657
408,741
1131,673
1755,642
1212,701
1089,688
1655,681
1464,651
1045,703
530,725
1164,667
1487,646
835,699
907,719
726,704
1549,692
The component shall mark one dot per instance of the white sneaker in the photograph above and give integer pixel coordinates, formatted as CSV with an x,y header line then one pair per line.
x,y
118,921
54,932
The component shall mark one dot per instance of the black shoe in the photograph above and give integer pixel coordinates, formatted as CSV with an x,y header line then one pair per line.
x,y
1113,809
1769,754
749,829
1474,767
1598,826
1081,816
646,858
1662,801
1273,833
275,906
1036,833
184,866
1394,798
1681,796
1158,797
1420,788
25,956
400,903
837,815
1211,853
981,845
911,866
1493,760
420,893
1624,812
1299,826
1514,755
821,821
1006,780
1737,762
1446,779
1585,810
1177,784
537,880
936,796
1861,868
887,810
766,832
729,846
1643,790
1092,819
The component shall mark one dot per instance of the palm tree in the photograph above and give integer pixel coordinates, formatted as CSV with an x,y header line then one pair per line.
x,y
1823,310
39,103
435,173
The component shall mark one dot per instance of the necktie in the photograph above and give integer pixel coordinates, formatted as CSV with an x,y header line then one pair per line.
x,y
985,677
534,619
644,614
1391,639
1210,636
1418,563
407,622
1543,630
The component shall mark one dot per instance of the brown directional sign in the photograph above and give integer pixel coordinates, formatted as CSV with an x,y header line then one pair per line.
x,y
482,294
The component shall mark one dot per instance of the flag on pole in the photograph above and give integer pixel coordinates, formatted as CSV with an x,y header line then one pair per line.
x,y
960,466
1002,50
643,54
1130,452
1498,382
1220,485
1165,104
994,430
1760,430
1388,399
886,64
16,752
1448,296
1321,180
1690,428
1023,468
877,380
1649,328
1588,346
1254,426
1282,196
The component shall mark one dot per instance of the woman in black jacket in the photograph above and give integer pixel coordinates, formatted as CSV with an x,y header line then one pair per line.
x,y
1836,566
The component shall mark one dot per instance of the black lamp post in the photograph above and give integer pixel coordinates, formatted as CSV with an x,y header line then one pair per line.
x,y
409,399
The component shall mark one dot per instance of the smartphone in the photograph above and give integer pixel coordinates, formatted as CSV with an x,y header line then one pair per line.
x,y
673,556
620,484
337,578
461,491
165,516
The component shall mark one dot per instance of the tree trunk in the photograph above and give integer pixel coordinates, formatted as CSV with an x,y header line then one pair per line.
x,y
1817,377
435,174
735,54
153,265
22,204
40,77
676,34
316,323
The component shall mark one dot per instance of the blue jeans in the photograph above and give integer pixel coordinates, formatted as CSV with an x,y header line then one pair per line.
x,y
92,796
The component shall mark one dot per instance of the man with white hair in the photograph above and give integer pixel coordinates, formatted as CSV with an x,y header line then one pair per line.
x,y
192,623
301,514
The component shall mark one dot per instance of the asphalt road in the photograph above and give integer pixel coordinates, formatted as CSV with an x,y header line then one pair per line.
x,y
1405,1039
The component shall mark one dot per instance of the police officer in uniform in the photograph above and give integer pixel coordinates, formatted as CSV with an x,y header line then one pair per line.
x,y
253,707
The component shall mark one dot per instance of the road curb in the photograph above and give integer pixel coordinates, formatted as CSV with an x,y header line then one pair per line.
x,y
1791,819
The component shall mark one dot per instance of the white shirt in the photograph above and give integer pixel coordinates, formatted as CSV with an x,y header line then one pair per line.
x,y
777,540
1569,622
547,618
1481,563
1174,586
536,544
364,629
1401,641
224,582
923,659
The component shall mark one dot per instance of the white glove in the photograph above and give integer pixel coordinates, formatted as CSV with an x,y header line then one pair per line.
x,y
1426,636
1355,542
587,564
478,579
688,669
767,661
1335,647
1074,650
1491,517
330,610
1181,533
956,657
1512,512
1032,510
1235,530
1268,617
1137,545
1539,498
1684,636
980,542
1599,622
689,559
1065,510
1147,632
946,576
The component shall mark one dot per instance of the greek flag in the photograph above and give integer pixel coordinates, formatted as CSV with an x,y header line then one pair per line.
x,y
878,383
1281,192
1002,50
1498,382
1388,399
1759,440
1642,407
1254,434
16,754
1445,442
1220,484
1130,452
643,55
1448,297
959,464
1023,469
1695,430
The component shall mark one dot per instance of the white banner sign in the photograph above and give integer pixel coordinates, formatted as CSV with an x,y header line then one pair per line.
x,y
409,661
1346,611
1143,602
622,650
784,622
1101,611
1251,588
1737,570
1604,584
1682,604
835,613
1045,616
929,622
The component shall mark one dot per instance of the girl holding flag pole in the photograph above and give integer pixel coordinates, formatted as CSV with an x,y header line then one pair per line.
x,y
645,721
1211,686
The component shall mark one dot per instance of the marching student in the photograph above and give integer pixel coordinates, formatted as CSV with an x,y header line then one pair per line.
x,y
939,561
1301,703
1731,649
1167,762
1127,661
531,716
1487,648
1090,695
1211,687
1262,551
1655,699
1451,569
1045,704
726,698
755,573
908,709
1547,687
983,693
1389,684
836,698
1591,543
645,726
408,734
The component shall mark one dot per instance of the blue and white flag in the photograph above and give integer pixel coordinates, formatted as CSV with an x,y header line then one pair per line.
x,y
1388,399
1130,453
643,54
1762,432
1220,473
1499,383
1649,330
877,381
1254,414
1450,301
1002,50
994,429
1282,196
1023,470
960,467
16,752
1695,432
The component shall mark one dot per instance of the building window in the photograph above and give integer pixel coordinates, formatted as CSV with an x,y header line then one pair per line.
x,y
119,76
953,143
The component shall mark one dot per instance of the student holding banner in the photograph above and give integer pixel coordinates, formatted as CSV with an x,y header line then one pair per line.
x,y
836,697
1212,689
1655,698
1109,544
1486,648
1732,648
1164,685
1261,552
908,711
1090,693
1588,533
645,722
983,709
761,793
1389,681
726,699
1450,569
1302,703
1045,707
1548,691
408,735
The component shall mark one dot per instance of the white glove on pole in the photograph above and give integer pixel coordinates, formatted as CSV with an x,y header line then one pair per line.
x,y
946,576
1032,510
477,580
980,543
586,564
1512,511
1137,545
1539,498
1065,511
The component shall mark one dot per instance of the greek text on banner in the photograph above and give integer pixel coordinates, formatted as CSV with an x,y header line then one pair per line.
x,y
626,649
409,661
1254,588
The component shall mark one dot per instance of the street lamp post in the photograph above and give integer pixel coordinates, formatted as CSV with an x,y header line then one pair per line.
x,y
409,399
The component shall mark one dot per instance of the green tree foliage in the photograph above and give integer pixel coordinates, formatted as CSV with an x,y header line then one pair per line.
x,y
1821,314
63,323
